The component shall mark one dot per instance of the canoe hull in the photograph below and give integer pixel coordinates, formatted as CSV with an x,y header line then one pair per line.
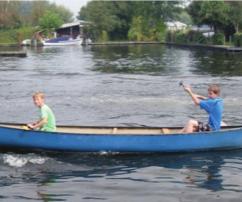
x,y
36,140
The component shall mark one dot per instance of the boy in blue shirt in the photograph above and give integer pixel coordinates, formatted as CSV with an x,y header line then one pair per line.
x,y
213,105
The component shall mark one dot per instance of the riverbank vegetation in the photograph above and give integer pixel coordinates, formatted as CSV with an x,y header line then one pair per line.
x,y
19,20
146,21
225,18
128,20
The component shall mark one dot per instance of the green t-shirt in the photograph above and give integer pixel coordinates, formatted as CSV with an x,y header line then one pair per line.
x,y
46,112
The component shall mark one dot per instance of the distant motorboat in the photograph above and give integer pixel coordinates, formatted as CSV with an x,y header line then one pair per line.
x,y
67,34
62,41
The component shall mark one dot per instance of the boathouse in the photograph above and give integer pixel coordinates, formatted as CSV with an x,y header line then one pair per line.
x,y
73,29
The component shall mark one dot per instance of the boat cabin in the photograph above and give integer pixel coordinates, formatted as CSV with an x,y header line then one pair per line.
x,y
73,29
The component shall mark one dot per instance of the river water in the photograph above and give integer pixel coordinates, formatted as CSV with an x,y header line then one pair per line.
x,y
124,86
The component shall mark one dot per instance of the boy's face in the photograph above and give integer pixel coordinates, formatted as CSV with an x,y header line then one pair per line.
x,y
211,94
38,101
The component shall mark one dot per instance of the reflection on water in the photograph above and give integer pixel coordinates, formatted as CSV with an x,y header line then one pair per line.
x,y
130,177
150,60
219,63
159,60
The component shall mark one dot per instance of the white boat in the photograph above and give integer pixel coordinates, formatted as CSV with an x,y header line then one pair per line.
x,y
62,41
66,34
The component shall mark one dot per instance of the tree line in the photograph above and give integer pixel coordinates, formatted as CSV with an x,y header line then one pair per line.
x,y
14,14
125,20
145,20
132,20
20,19
224,16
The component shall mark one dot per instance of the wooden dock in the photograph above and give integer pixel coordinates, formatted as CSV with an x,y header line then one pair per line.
x,y
13,54
208,47
203,46
120,43
234,49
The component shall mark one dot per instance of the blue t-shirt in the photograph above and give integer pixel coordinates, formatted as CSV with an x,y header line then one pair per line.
x,y
214,108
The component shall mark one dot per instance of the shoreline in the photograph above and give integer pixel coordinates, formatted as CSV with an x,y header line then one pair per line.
x,y
209,47
13,54
120,43
9,45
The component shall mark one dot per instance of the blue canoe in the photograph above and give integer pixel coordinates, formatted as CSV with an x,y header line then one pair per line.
x,y
118,139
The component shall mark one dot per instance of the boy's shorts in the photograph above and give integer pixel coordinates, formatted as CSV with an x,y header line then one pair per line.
x,y
202,127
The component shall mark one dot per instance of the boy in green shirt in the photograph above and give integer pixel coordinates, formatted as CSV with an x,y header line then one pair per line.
x,y
46,121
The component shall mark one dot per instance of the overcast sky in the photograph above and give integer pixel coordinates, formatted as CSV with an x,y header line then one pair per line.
x,y
73,5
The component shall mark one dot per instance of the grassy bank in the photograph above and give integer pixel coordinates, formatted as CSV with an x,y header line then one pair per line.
x,y
15,36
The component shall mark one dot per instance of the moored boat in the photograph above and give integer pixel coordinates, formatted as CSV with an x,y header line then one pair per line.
x,y
62,41
67,34
119,139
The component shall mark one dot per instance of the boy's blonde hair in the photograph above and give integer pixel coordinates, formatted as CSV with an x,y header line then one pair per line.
x,y
39,94
214,88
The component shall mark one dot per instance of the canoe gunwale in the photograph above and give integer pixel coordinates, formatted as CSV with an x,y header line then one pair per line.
x,y
121,127
15,137
17,126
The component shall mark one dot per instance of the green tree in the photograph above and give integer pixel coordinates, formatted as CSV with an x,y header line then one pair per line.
x,y
65,14
235,14
167,10
194,10
21,13
39,8
102,15
123,11
223,16
141,20
185,18
20,19
213,13
9,14
136,30
50,21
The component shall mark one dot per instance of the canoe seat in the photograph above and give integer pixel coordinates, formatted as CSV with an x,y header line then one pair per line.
x,y
114,131
165,130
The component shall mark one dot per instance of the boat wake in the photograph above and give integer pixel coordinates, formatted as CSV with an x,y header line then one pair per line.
x,y
16,160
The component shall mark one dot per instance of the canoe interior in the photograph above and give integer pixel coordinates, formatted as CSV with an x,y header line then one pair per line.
x,y
113,130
